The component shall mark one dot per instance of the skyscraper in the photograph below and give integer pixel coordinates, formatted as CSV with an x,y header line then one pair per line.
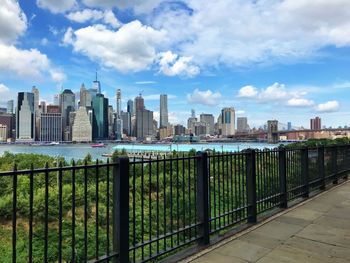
x,y
130,107
118,96
56,99
25,117
67,104
228,121
209,119
35,91
242,124
193,113
139,103
144,123
289,126
10,107
85,97
100,117
51,127
82,128
96,85
163,117
315,124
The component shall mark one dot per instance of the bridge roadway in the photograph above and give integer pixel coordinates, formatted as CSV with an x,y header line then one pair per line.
x,y
317,230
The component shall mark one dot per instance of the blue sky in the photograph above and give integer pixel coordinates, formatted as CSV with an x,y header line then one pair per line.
x,y
269,59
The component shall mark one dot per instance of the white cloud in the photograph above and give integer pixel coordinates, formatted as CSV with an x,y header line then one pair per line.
x,y
329,106
57,75
236,32
240,112
93,15
274,92
299,102
157,97
207,97
145,82
130,48
5,93
26,63
248,92
13,21
55,6
138,6
172,65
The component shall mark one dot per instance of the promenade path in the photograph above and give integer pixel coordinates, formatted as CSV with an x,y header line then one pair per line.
x,y
317,230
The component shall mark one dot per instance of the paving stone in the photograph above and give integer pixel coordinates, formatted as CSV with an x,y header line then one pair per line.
x,y
293,220
278,230
303,213
318,248
326,234
218,258
331,221
261,240
243,250
339,212
288,254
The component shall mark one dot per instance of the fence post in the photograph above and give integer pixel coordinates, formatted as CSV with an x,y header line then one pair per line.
x,y
335,164
251,186
121,208
346,164
321,171
283,177
203,197
305,170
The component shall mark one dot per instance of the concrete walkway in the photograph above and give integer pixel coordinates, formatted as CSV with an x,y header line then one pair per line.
x,y
316,231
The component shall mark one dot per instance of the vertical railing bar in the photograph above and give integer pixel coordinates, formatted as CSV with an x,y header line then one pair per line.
x,y
108,207
14,215
60,212
31,198
85,211
150,205
96,213
177,201
142,210
157,173
183,197
46,212
171,203
134,207
73,212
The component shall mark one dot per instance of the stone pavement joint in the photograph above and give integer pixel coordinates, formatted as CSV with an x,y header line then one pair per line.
x,y
317,230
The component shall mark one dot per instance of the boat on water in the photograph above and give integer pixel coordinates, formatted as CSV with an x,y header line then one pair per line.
x,y
98,145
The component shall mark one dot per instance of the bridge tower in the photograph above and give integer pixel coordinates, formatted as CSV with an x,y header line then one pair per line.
x,y
272,131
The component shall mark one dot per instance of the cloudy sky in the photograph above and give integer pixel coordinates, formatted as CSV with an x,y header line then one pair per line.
x,y
282,59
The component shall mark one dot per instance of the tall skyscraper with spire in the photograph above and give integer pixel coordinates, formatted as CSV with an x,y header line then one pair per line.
x,y
163,118
118,102
96,85
118,120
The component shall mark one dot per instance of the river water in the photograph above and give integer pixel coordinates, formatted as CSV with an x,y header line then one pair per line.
x,y
79,151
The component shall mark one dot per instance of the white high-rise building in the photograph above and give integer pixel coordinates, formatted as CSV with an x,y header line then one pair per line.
x,y
10,107
209,119
25,117
118,102
118,121
242,124
163,116
82,128
228,121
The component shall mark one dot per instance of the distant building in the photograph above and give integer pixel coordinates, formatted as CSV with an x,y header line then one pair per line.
x,y
100,117
51,127
10,107
96,85
179,129
82,128
193,113
25,117
209,120
53,109
56,99
289,126
85,97
163,116
228,121
3,133
242,125
201,128
272,131
125,116
111,117
130,108
118,120
144,124
9,121
139,103
191,123
67,104
315,124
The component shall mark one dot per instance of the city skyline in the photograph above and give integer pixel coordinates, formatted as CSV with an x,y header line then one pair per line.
x,y
302,74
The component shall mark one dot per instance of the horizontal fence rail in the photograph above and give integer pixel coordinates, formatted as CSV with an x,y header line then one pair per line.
x,y
141,210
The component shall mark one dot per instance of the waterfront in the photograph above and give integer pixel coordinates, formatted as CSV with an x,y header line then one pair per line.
x,y
79,151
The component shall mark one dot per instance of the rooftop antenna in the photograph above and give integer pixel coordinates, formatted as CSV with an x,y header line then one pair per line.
x,y
96,74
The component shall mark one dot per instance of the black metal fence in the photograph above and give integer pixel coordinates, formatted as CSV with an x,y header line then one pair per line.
x,y
146,210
